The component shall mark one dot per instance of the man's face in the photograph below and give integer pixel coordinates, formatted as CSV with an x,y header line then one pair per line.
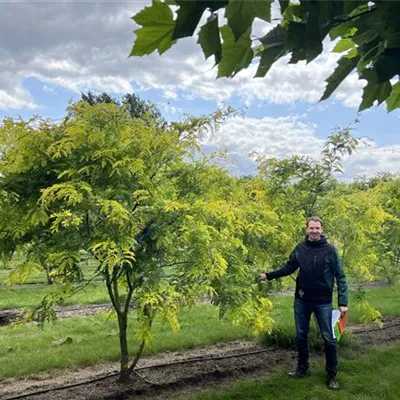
x,y
314,230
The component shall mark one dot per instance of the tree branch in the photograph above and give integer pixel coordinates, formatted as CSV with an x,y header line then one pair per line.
x,y
173,264
338,20
140,351
130,291
85,285
116,291
110,291
137,356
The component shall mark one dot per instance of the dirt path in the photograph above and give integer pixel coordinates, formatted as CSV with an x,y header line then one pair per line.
x,y
8,316
214,366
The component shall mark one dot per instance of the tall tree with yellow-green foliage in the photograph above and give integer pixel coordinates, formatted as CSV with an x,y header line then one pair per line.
x,y
163,225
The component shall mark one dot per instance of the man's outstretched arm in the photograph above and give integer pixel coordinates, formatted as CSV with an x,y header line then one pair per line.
x,y
291,266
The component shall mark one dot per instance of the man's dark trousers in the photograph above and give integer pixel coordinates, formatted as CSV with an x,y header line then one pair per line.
x,y
323,313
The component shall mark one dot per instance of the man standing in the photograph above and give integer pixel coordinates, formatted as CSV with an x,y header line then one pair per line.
x,y
319,265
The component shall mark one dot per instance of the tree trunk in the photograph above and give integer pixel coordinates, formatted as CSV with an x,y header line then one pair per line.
x,y
393,280
49,278
124,374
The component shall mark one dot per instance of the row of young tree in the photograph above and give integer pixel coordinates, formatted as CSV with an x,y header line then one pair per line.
x,y
163,224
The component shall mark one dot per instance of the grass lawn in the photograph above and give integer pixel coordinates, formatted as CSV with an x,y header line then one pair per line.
x,y
39,276
27,350
386,299
372,375
31,295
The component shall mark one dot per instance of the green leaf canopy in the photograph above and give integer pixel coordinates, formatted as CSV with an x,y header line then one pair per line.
x,y
369,33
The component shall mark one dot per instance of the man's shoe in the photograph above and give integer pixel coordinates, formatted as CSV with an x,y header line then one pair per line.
x,y
333,383
299,373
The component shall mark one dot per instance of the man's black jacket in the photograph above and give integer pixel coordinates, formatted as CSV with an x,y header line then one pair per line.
x,y
319,265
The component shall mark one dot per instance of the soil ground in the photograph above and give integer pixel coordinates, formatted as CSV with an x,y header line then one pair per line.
x,y
216,366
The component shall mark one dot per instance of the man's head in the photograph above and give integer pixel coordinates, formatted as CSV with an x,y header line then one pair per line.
x,y
314,228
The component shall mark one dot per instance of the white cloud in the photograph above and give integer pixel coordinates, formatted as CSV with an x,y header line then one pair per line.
x,y
17,100
12,94
350,91
170,94
286,136
77,45
85,45
272,137
269,137
370,160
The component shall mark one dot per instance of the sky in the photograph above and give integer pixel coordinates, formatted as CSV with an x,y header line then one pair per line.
x,y
50,52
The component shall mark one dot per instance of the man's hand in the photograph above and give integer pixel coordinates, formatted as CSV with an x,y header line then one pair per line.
x,y
262,276
343,310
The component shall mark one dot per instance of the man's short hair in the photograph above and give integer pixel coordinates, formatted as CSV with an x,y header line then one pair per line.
x,y
315,219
